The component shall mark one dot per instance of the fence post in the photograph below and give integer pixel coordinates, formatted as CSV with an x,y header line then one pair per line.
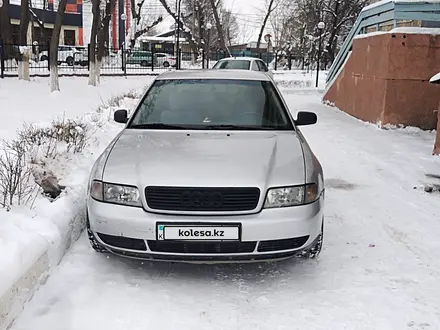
x,y
48,56
152,58
276,61
179,57
2,59
203,58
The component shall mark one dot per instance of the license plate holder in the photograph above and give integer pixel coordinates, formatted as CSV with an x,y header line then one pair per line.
x,y
192,232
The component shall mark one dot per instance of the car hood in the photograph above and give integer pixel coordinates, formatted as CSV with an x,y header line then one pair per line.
x,y
206,159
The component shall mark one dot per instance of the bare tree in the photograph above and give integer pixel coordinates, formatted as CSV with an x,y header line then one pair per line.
x,y
218,26
231,28
186,32
270,8
5,27
142,24
23,64
93,35
55,40
101,36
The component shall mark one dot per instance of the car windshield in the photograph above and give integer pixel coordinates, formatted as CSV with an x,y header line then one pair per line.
x,y
233,64
212,104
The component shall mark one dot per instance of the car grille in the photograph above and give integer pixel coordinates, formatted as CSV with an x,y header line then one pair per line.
x,y
282,244
202,199
202,247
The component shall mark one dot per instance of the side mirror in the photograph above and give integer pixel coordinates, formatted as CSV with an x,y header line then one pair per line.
x,y
306,118
121,116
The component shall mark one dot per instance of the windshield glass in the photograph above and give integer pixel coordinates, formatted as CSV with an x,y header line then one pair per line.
x,y
235,64
212,104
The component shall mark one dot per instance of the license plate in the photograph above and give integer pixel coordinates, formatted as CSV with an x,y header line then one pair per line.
x,y
198,233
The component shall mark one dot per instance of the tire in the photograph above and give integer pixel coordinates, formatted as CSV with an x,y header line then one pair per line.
x,y
315,250
43,58
144,63
166,64
70,61
93,241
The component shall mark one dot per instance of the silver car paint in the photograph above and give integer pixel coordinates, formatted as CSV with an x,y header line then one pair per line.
x,y
209,158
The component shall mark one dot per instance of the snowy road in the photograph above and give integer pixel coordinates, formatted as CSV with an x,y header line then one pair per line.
x,y
379,269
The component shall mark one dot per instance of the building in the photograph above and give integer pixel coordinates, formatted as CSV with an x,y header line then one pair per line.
x,y
45,13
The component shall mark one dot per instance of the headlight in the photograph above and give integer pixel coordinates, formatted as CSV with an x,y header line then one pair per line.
x,y
114,193
291,196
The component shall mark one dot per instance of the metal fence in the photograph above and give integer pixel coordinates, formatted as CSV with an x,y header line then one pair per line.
x,y
75,60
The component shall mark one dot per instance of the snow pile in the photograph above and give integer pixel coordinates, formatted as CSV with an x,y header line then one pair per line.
x,y
36,231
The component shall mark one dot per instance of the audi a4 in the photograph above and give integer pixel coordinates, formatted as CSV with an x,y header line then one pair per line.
x,y
211,166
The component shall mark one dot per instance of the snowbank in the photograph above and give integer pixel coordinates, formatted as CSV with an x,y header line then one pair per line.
x,y
33,240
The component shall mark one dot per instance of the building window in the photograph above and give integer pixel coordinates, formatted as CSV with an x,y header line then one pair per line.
x,y
69,37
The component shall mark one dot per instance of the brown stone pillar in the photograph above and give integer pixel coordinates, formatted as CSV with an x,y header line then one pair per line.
x,y
437,138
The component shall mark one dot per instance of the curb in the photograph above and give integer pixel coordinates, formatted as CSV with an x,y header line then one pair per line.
x,y
13,301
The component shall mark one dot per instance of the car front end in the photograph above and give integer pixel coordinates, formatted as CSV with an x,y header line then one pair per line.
x,y
206,193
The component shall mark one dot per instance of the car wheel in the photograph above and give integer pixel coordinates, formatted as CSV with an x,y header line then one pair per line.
x,y
166,64
43,58
69,61
93,241
315,250
144,63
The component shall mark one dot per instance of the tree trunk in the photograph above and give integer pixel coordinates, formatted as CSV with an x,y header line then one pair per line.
x,y
103,32
5,28
218,26
23,62
92,56
24,22
54,42
263,26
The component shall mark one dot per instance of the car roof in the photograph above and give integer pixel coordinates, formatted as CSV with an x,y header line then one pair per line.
x,y
246,58
214,74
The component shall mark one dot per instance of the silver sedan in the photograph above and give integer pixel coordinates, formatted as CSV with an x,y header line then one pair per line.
x,y
210,167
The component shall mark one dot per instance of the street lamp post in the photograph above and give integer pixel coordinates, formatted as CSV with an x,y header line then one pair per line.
x,y
178,35
208,27
321,26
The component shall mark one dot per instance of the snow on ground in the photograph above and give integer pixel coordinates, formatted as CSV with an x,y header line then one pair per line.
x,y
26,233
31,102
379,268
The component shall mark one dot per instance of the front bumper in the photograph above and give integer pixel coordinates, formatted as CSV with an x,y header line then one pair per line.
x,y
270,234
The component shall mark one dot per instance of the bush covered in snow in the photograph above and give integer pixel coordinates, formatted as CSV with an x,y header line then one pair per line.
x,y
23,162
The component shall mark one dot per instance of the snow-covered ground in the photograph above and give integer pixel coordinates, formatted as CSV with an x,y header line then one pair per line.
x,y
379,268
44,230
31,102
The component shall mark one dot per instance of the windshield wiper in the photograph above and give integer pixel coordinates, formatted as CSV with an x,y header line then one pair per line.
x,y
157,126
237,127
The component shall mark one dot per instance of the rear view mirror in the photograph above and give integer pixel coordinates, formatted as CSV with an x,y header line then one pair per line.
x,y
121,116
306,118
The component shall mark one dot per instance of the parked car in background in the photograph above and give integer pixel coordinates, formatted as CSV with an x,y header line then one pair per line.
x,y
210,167
243,63
142,58
165,60
68,54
